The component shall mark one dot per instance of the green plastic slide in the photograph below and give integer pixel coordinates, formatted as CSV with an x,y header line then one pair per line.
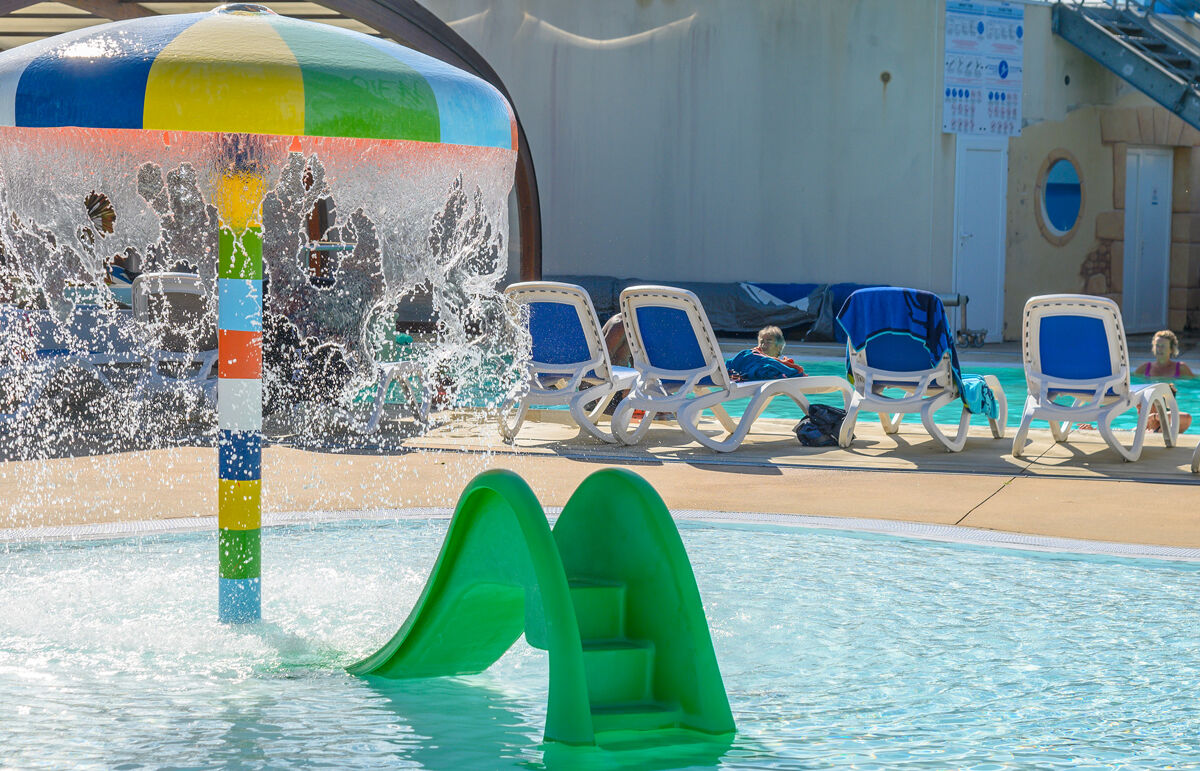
x,y
609,593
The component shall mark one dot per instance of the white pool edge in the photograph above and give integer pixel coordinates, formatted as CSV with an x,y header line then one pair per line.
x,y
922,531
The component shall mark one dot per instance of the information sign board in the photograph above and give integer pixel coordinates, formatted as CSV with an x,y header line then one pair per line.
x,y
983,68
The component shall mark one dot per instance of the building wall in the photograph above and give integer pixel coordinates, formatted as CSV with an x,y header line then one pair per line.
x,y
800,140
721,140
1035,264
1074,107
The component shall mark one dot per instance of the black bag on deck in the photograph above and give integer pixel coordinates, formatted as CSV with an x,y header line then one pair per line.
x,y
820,427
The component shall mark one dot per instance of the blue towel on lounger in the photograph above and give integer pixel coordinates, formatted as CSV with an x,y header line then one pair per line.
x,y
869,313
749,365
978,397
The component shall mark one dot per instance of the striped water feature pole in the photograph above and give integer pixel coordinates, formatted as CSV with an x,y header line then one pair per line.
x,y
239,393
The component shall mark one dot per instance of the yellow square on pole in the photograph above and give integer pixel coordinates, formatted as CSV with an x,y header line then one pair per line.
x,y
240,504
239,200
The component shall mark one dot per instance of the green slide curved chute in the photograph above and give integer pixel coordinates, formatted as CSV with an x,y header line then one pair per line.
x,y
610,594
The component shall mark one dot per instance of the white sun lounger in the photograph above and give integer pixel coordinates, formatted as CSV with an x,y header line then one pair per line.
x,y
30,359
570,364
890,361
406,373
173,311
37,348
676,354
1074,349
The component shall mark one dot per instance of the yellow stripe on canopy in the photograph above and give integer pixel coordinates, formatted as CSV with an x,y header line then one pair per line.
x,y
201,82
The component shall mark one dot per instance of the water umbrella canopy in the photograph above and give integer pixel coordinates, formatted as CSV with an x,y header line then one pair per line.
x,y
243,94
242,68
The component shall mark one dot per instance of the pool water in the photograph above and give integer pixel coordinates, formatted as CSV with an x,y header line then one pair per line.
x,y
837,650
1012,380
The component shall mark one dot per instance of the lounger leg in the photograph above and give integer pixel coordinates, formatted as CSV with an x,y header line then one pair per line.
x,y
891,423
1104,424
620,422
847,394
422,400
998,426
415,396
601,403
1169,421
509,428
1061,429
688,417
1018,448
579,413
846,435
382,383
1196,460
726,422
689,414
960,439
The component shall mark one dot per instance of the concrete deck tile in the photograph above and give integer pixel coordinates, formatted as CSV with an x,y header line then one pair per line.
x,y
1102,510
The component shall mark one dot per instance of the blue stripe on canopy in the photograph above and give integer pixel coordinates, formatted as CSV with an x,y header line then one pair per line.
x,y
84,85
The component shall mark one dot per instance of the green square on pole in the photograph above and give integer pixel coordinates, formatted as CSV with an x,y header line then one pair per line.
x,y
240,553
240,256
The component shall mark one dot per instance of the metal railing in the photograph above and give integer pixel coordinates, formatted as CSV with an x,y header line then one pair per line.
x,y
1188,9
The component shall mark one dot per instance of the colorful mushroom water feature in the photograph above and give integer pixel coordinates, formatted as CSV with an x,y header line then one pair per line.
x,y
214,135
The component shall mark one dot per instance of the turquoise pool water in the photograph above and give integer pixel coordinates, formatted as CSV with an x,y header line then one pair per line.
x,y
1012,379
838,651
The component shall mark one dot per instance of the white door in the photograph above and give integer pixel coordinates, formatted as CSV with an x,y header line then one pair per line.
x,y
1147,239
980,184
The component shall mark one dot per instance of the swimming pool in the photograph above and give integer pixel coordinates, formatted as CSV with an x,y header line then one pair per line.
x,y
1012,379
838,650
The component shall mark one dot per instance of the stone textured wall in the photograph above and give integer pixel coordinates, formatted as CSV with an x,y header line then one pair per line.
x,y
1092,258
1151,126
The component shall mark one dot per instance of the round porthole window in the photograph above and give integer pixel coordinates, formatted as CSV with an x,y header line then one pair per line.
x,y
1059,197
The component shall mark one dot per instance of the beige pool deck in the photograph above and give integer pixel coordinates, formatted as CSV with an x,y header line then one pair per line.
x,y
1078,490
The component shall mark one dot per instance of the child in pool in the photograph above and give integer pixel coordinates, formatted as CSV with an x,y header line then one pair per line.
x,y
766,362
1166,347
1165,367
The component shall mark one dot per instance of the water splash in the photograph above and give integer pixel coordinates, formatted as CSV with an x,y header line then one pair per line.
x,y
362,242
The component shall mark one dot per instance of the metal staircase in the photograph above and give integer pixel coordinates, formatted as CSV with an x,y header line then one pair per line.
x,y
1158,55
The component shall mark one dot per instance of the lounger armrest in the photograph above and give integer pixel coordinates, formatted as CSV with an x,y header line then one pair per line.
x,y
1099,389
647,374
575,372
920,385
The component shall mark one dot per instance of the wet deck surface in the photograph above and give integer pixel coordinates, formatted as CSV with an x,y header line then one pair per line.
x,y
1080,489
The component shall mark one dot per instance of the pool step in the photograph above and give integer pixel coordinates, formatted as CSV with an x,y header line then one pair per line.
x,y
618,670
599,608
639,716
599,612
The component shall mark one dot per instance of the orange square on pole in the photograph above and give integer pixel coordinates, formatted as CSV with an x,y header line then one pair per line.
x,y
239,354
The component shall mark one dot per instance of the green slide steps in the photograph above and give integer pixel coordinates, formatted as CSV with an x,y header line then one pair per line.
x,y
609,593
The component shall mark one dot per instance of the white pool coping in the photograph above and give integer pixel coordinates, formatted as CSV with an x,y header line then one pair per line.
x,y
956,534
